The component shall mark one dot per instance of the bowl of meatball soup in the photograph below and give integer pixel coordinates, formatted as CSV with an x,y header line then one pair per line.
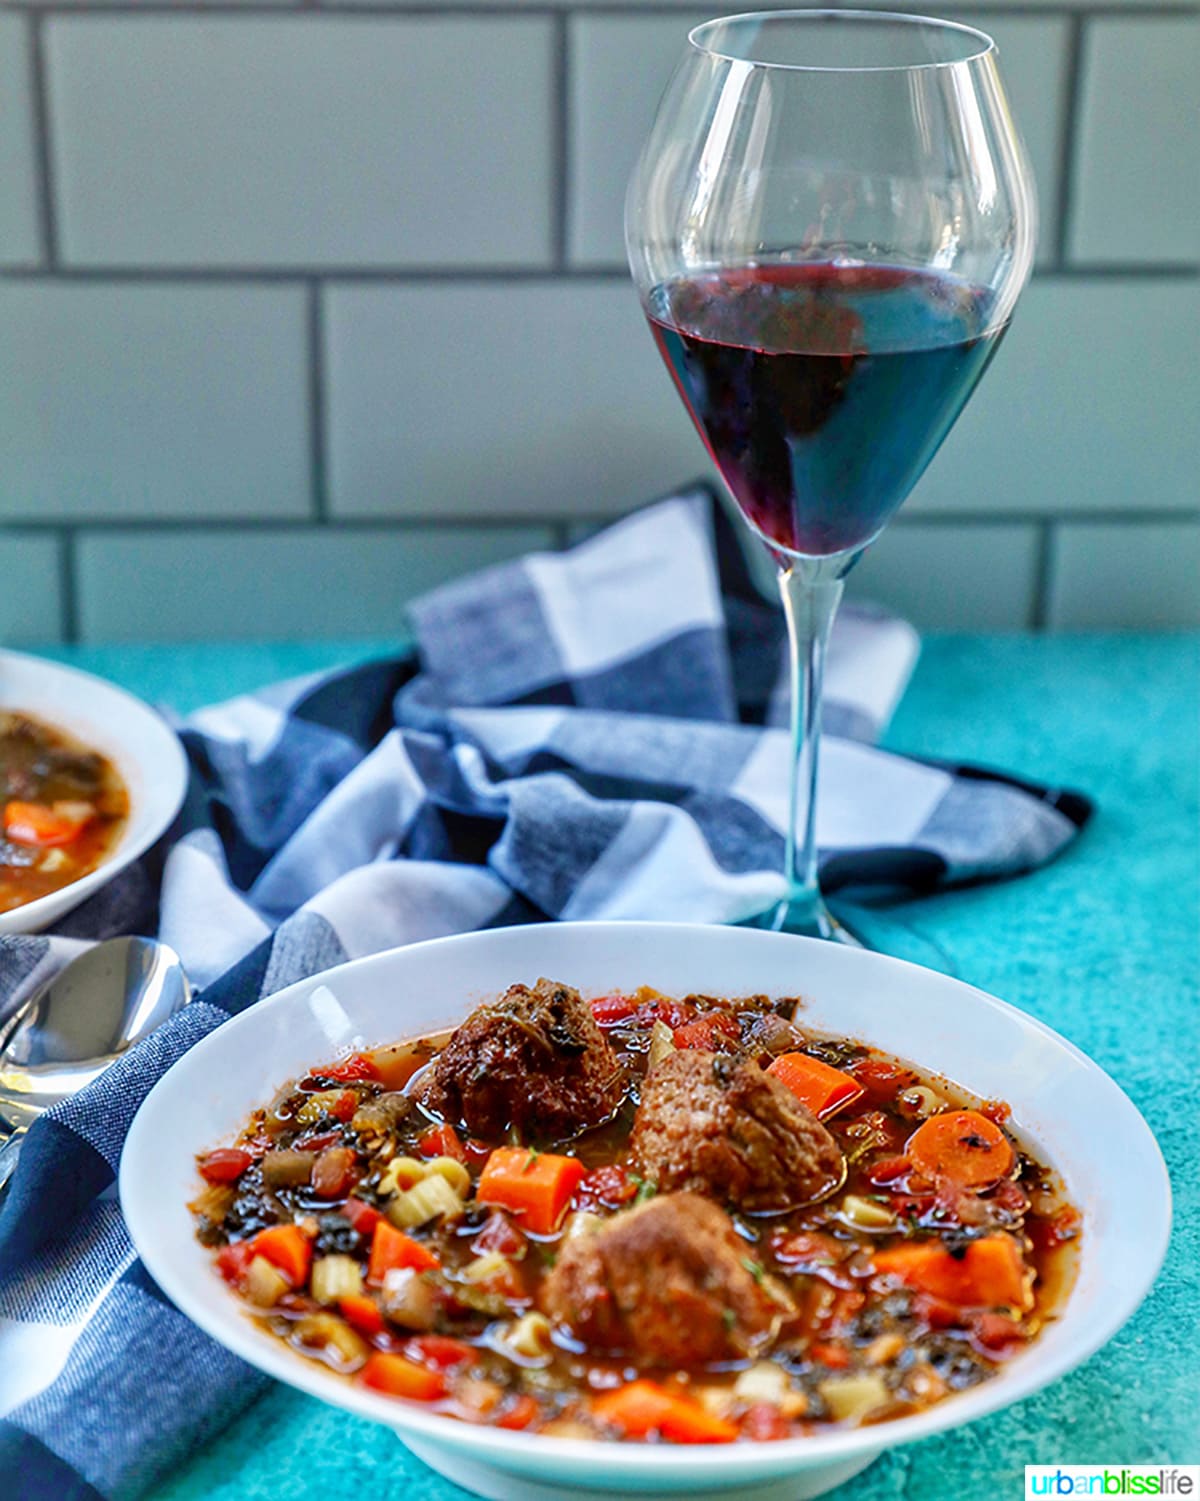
x,y
646,1209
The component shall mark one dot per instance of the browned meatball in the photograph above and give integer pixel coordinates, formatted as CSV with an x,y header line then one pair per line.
x,y
535,1060
669,1283
722,1126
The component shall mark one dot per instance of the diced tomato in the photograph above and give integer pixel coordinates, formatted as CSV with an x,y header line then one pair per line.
x,y
997,1111
611,1009
357,1066
475,1153
362,1217
362,1313
333,1173
888,1170
663,1009
500,1235
344,1107
441,1352
317,1143
233,1262
605,1187
225,1165
881,1080
936,1312
519,1413
402,1378
830,1353
441,1141
765,1423
710,1032
1010,1196
995,1334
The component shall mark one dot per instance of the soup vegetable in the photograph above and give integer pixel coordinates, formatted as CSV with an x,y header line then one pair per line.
x,y
63,808
639,1218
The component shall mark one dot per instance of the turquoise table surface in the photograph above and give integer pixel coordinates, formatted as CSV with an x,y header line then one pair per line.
x,y
1104,946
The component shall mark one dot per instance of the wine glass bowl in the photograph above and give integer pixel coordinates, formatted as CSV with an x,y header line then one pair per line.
x,y
829,226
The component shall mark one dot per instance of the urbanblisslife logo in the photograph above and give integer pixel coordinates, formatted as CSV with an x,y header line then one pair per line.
x,y
1182,1481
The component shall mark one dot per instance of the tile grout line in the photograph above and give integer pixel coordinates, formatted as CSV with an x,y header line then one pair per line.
x,y
401,276
257,9
43,155
315,350
490,521
560,142
1043,576
68,585
1072,92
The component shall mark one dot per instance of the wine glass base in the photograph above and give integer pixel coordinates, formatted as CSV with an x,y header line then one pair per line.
x,y
858,927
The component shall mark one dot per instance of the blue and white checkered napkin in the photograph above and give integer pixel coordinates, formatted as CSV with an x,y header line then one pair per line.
x,y
579,736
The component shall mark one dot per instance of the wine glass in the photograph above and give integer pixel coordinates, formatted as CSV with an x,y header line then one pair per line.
x,y
829,226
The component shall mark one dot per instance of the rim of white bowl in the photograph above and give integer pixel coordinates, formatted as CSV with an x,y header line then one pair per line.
x,y
710,1465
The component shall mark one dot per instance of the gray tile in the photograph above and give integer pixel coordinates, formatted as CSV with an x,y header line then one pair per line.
x,y
20,239
952,577
1136,184
620,65
178,401
268,584
542,398
285,141
31,606
1125,576
1090,405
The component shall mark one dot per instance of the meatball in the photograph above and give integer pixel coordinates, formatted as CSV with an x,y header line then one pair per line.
x,y
535,1060
669,1283
722,1126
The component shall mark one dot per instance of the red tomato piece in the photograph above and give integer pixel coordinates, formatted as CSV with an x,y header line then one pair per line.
x,y
225,1165
709,1032
611,1009
233,1262
441,1352
765,1423
500,1235
605,1187
830,1353
362,1217
889,1170
519,1413
441,1141
357,1066
333,1173
881,1080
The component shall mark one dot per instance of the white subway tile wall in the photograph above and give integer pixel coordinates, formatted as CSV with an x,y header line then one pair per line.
x,y
20,239
306,306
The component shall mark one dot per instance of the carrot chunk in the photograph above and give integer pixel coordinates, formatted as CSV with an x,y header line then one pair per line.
x,y
961,1145
392,1250
402,1378
641,1408
815,1084
536,1185
45,825
287,1248
990,1272
362,1313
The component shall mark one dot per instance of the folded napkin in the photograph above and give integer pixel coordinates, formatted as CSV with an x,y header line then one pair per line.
x,y
582,735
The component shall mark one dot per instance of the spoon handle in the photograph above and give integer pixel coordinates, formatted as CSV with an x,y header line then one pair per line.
x,y
9,1153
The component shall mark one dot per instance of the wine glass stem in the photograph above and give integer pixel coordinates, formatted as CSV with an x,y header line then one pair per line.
x,y
810,597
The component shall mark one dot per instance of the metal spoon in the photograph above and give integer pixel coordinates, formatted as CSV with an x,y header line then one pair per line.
x,y
68,1032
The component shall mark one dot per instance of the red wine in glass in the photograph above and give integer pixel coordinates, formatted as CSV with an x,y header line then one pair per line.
x,y
822,389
